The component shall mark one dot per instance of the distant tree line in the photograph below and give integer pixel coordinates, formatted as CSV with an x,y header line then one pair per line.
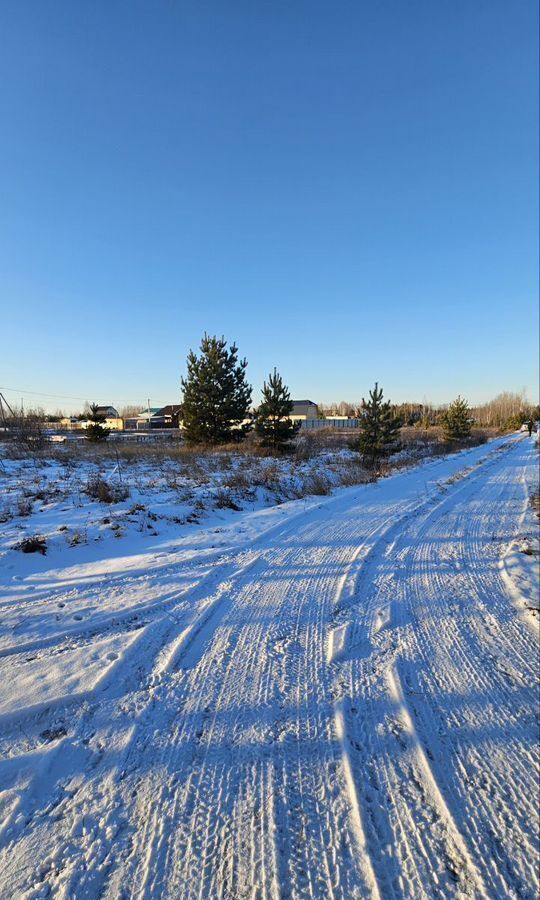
x,y
507,410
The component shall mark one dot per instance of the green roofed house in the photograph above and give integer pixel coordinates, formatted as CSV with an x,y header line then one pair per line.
x,y
141,422
155,417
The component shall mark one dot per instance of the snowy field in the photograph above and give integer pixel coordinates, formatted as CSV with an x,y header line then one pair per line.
x,y
204,694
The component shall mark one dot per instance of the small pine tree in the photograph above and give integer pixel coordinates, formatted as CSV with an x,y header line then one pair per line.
x,y
216,394
456,421
273,423
379,429
95,432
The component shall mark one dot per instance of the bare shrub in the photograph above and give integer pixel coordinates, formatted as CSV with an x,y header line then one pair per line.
x,y
33,544
223,499
218,461
172,478
478,436
47,493
101,490
78,537
185,494
237,480
197,511
415,436
354,473
432,440
240,482
317,484
307,445
199,476
312,442
24,507
268,476
29,434
5,515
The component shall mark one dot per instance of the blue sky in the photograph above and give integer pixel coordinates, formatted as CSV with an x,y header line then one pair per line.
x,y
348,190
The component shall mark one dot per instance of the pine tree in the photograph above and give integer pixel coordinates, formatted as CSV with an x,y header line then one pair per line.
x,y
456,421
95,432
216,394
273,424
378,429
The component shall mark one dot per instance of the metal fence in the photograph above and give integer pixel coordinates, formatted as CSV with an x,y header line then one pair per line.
x,y
330,423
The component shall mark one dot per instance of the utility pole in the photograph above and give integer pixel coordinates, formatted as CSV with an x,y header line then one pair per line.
x,y
3,406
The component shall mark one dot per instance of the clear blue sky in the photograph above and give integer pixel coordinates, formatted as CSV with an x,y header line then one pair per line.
x,y
347,189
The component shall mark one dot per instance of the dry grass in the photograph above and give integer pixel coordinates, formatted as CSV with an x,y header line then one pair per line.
x,y
230,476
239,480
410,436
101,490
224,499
316,484
311,443
353,472
73,452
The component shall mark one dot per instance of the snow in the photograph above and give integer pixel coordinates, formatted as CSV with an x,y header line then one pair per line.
x,y
519,570
334,696
37,684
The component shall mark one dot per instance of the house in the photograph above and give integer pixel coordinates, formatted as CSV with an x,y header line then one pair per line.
x,y
167,417
72,423
107,412
142,421
155,417
303,409
75,423
114,423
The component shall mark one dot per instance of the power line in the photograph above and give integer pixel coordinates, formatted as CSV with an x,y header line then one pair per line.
x,y
66,396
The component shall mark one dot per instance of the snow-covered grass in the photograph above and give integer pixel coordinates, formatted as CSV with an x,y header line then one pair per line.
x,y
77,494
70,500
109,508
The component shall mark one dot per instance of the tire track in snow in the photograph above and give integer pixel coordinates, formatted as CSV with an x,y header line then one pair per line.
x,y
488,646
385,642
285,771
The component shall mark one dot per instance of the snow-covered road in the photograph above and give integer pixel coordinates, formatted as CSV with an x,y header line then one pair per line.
x,y
340,703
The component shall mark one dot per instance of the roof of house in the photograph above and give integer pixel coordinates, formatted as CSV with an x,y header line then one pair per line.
x,y
304,403
101,410
171,410
148,413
